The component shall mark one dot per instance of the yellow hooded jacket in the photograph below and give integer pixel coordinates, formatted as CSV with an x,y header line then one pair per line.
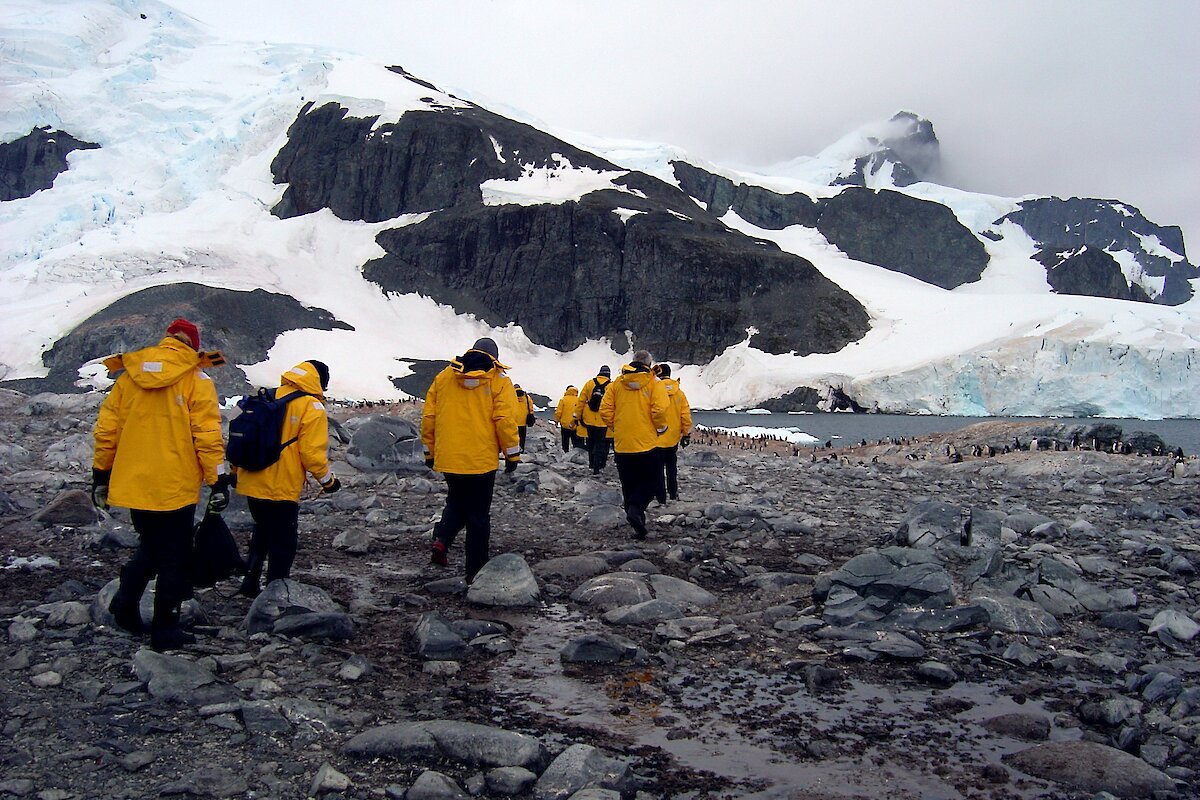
x,y
583,413
469,417
305,422
524,407
159,429
564,412
679,418
636,407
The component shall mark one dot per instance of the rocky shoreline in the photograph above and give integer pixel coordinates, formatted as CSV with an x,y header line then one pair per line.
x,y
793,627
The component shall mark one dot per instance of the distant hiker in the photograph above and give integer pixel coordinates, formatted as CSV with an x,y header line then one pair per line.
x,y
467,423
637,407
679,429
525,418
157,441
564,415
590,397
273,493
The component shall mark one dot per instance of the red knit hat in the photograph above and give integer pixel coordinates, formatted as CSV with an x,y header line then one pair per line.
x,y
189,330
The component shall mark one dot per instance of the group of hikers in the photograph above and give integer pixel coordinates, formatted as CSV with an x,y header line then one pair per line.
x,y
473,412
158,441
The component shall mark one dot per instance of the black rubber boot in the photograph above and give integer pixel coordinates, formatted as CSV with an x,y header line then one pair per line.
x,y
165,633
126,614
172,638
250,583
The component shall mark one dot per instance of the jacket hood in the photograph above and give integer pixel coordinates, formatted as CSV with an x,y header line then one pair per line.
x,y
303,376
161,365
635,376
475,364
571,392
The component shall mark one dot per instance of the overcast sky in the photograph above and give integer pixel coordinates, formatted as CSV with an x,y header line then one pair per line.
x,y
1091,98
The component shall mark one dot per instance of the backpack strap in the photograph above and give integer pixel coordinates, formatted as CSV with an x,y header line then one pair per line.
x,y
287,398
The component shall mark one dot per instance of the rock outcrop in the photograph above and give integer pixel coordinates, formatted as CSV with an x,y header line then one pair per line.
x,y
32,162
640,256
1067,225
886,228
242,325
1088,271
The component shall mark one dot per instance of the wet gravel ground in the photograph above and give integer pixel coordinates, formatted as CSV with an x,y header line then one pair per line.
x,y
740,713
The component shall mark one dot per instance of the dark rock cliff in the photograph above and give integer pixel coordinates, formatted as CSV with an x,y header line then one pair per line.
x,y
1088,271
31,163
686,288
242,325
903,234
685,285
425,161
756,205
885,228
1068,225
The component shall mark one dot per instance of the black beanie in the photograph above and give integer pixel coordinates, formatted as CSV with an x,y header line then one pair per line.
x,y
486,345
322,372
605,370
664,370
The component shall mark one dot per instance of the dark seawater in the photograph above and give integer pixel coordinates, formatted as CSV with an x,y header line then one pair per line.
x,y
847,429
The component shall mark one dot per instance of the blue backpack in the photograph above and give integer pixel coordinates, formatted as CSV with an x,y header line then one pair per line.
x,y
256,434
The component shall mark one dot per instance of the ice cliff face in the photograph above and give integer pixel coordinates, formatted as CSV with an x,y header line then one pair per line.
x,y
1049,376
152,170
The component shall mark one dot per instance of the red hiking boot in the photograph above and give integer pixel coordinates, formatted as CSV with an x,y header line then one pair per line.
x,y
437,554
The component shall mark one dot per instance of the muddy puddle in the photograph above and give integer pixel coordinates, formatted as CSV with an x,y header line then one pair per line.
x,y
767,734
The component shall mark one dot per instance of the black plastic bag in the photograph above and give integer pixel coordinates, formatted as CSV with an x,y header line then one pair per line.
x,y
215,553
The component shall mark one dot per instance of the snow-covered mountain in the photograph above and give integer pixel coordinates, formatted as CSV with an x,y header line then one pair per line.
x,y
150,169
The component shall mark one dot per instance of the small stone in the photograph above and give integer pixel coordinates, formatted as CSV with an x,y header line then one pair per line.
x,y
327,780
46,680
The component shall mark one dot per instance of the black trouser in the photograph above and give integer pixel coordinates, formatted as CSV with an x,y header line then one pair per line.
x,y
567,436
469,505
275,538
597,447
639,474
668,474
164,550
521,429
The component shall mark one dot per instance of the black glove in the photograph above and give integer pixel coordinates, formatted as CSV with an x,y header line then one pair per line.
x,y
685,441
331,487
510,465
429,462
100,479
218,498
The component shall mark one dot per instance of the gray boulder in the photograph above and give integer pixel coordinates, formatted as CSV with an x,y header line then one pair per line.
x,y
284,598
599,649
643,613
578,567
581,766
931,524
431,785
177,678
505,581
613,590
437,640
466,742
72,507
384,443
1017,616
1176,623
1091,767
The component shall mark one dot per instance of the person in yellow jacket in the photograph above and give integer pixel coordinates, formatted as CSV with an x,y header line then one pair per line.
x,y
679,429
157,441
588,415
467,423
273,494
637,407
525,417
564,415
